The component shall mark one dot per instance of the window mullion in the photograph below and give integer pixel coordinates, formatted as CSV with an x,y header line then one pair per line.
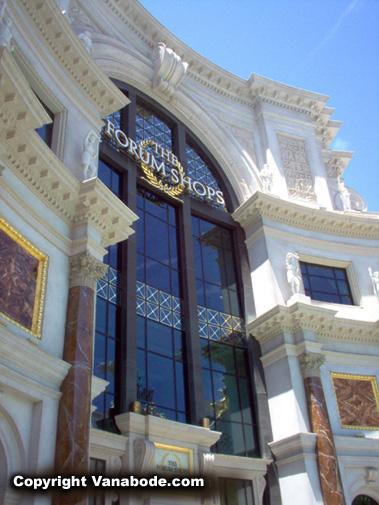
x,y
128,323
196,406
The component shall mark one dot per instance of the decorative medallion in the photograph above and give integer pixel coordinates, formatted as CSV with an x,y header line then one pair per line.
x,y
23,270
357,401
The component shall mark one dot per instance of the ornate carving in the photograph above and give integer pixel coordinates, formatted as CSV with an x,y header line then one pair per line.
x,y
375,281
344,194
267,178
357,202
77,17
296,168
169,70
144,451
310,364
114,465
89,156
85,38
259,484
293,272
5,24
86,270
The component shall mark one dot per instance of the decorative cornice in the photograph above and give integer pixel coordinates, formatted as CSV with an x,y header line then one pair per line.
x,y
66,48
76,203
20,108
163,429
238,467
295,447
85,270
348,224
324,322
310,364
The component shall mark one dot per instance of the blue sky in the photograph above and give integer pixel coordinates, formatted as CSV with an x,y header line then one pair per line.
x,y
326,46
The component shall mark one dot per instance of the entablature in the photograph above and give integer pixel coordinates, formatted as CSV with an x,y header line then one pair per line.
x,y
325,322
345,223
89,202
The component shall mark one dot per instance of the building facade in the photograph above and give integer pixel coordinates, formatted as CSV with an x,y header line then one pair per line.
x,y
187,285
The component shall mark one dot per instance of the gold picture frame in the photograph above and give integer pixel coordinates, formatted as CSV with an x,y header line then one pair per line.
x,y
23,272
352,406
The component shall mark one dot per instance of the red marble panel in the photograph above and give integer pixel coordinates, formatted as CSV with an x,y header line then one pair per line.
x,y
18,281
330,479
357,401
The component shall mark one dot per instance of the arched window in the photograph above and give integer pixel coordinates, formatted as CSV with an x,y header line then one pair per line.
x,y
364,500
170,320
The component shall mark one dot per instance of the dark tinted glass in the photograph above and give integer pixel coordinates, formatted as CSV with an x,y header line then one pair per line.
x,y
326,284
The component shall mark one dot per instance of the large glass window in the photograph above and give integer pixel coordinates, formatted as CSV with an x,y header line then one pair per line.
x,y
326,284
160,358
222,340
170,329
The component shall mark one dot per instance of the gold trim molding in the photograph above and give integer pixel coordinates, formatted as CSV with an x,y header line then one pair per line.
x,y
39,296
369,378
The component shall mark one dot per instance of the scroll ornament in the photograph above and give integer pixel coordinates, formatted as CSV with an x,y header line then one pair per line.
x,y
169,70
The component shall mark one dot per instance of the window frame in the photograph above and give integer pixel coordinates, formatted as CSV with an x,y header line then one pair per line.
x,y
341,264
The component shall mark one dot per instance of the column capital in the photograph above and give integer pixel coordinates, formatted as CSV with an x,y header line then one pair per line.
x,y
85,270
310,364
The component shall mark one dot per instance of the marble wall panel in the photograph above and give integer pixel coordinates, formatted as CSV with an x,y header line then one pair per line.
x,y
357,400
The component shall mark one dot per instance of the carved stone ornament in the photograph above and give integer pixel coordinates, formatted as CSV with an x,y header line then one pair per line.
x,y
372,475
78,18
357,202
5,24
144,452
375,281
89,155
259,484
293,273
310,364
344,195
85,270
169,70
297,170
85,39
114,465
267,178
